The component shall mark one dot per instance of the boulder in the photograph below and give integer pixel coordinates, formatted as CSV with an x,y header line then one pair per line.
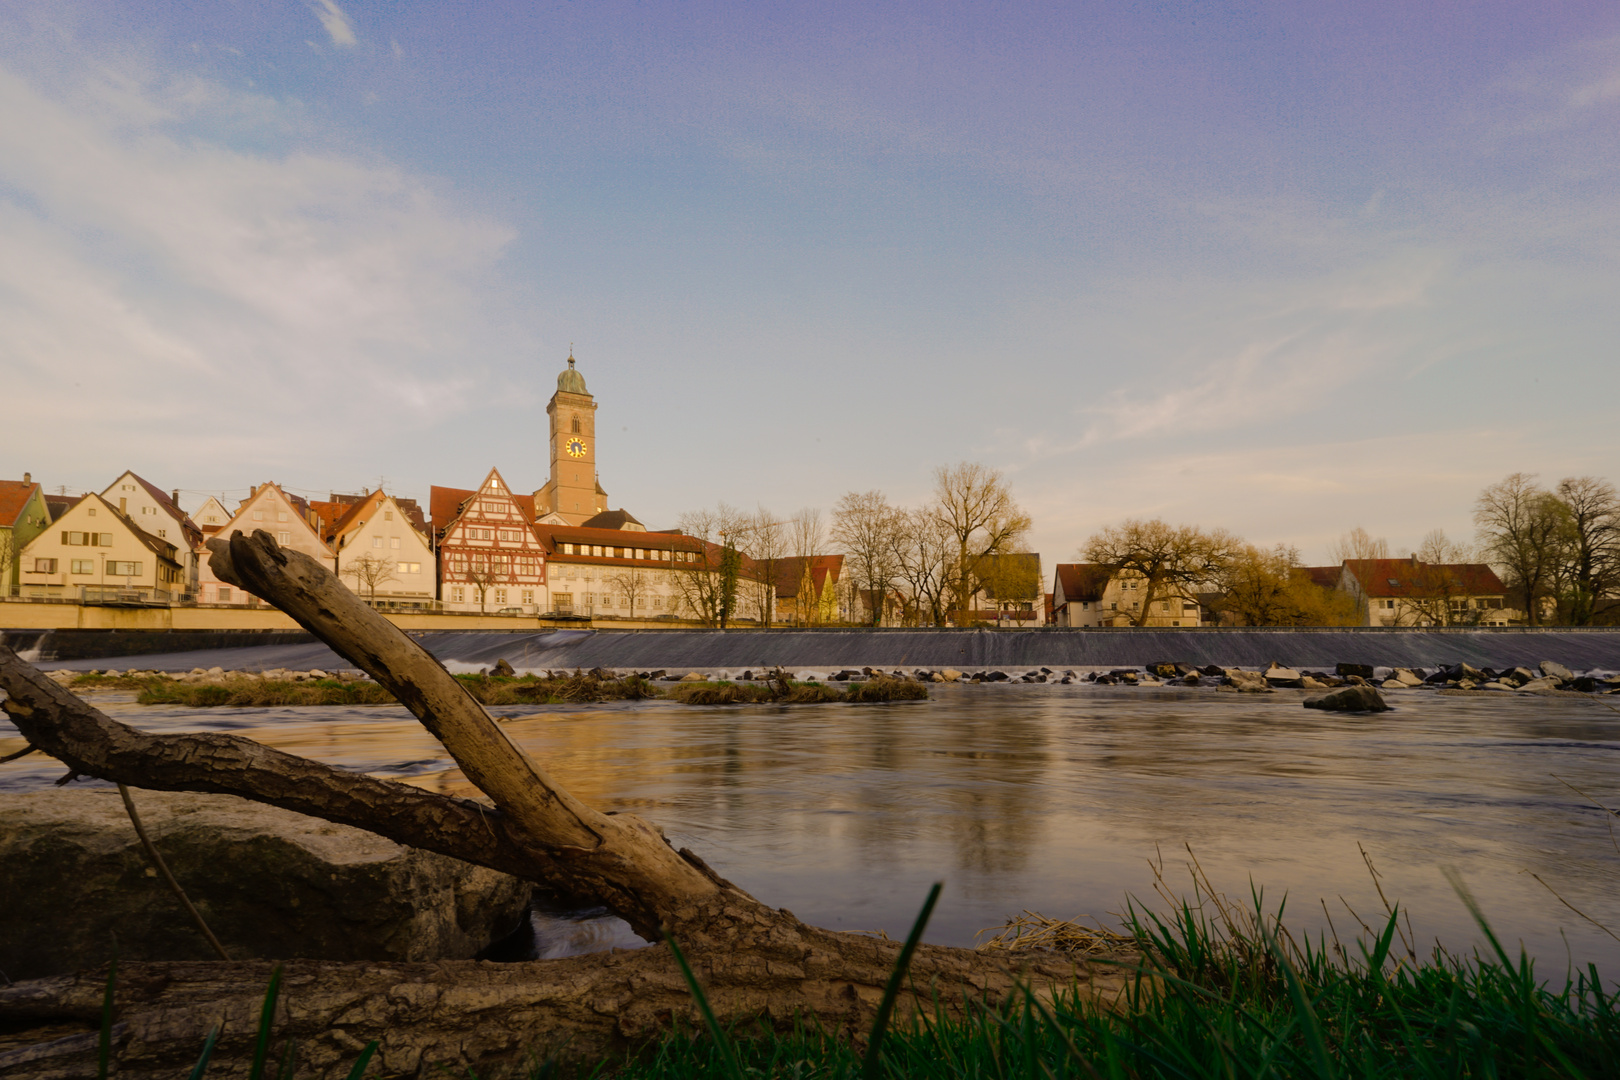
x,y
503,669
271,884
1407,677
1585,684
1556,670
1164,669
1467,671
691,676
1493,685
1311,682
1519,676
1539,684
1248,681
1346,670
951,675
1277,675
1350,699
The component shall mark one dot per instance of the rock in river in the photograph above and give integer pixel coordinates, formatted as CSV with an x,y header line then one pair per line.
x,y
270,883
1350,699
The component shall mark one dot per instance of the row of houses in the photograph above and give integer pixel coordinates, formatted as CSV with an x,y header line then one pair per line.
x,y
1387,592
484,549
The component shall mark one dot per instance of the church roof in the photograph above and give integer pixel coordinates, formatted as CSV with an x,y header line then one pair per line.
x,y
571,381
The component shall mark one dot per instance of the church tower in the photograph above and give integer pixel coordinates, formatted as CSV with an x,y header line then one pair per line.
x,y
572,495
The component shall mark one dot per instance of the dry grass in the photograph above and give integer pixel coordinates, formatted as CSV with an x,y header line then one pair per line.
x,y
1032,931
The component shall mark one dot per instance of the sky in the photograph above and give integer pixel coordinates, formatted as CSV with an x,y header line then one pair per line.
x,y
1284,269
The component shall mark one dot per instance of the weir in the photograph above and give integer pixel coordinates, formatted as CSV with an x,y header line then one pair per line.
x,y
1581,649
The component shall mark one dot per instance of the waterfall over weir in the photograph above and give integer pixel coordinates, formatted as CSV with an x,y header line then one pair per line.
x,y
967,650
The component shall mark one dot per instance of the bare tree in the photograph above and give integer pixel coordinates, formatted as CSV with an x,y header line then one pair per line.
x,y
977,508
1592,545
1171,560
8,559
923,553
766,544
1521,528
481,573
1441,584
705,586
1357,544
632,583
807,534
864,525
370,571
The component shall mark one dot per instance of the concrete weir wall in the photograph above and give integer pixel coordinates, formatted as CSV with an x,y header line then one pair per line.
x,y
1578,649
977,649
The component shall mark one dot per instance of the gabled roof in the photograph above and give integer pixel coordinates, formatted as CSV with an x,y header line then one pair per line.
x,y
14,498
612,519
1082,581
1409,577
189,529
791,572
160,547
1326,577
446,504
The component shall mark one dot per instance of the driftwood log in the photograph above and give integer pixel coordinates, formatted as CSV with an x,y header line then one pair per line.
x,y
756,961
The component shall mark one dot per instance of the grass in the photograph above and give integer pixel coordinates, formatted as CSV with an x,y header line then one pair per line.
x,y
1221,991
242,690
795,693
550,689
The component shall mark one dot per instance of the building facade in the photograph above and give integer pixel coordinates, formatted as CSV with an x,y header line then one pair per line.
x,y
1088,594
159,513
1409,592
489,556
286,517
95,554
24,514
380,554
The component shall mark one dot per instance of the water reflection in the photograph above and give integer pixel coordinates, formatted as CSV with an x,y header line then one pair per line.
x,y
1056,799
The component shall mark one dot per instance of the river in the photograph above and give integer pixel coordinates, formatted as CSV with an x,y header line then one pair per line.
x,y
1057,799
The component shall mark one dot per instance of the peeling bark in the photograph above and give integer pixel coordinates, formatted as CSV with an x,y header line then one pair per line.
x,y
756,961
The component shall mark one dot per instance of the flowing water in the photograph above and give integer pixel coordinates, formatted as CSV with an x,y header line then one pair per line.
x,y
1057,799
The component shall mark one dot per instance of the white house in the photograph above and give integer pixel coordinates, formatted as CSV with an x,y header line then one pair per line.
x,y
285,517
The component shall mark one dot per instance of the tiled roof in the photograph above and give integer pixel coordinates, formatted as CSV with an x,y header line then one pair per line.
x,y
14,496
60,504
188,527
790,572
444,505
1408,577
1325,576
1082,581
611,519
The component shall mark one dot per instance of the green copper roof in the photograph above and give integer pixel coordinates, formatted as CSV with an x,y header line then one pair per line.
x,y
571,381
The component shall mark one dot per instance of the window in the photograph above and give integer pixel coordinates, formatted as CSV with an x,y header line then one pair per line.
x,y
163,534
283,538
224,594
1389,603
388,515
48,566
281,515
77,566
576,425
458,594
489,507
393,542
568,549
528,596
565,601
376,541
92,511
658,602
408,567
510,535
500,596
597,550
1085,605
258,515
123,569
211,519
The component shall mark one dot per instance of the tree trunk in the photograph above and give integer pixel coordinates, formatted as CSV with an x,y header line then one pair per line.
x,y
757,961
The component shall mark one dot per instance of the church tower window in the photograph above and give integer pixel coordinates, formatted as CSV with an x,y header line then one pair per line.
x,y
576,425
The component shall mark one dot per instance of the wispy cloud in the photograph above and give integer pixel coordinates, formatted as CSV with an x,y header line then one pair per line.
x,y
339,27
149,280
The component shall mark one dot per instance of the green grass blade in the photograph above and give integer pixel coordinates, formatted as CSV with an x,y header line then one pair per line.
x,y
1308,1023
267,1016
201,1067
104,1050
880,1025
721,1041
363,1060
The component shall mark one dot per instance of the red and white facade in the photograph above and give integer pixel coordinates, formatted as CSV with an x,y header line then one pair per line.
x,y
489,556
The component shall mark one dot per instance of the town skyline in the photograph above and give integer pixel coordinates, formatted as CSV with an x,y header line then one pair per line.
x,y
1285,274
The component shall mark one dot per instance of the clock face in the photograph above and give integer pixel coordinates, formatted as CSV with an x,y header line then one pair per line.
x,y
576,448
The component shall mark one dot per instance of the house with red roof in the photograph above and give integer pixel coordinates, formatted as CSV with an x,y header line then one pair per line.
x,y
380,553
489,556
24,514
613,565
1090,594
1410,592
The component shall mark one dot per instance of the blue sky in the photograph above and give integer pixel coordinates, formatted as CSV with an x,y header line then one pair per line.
x,y
1273,267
